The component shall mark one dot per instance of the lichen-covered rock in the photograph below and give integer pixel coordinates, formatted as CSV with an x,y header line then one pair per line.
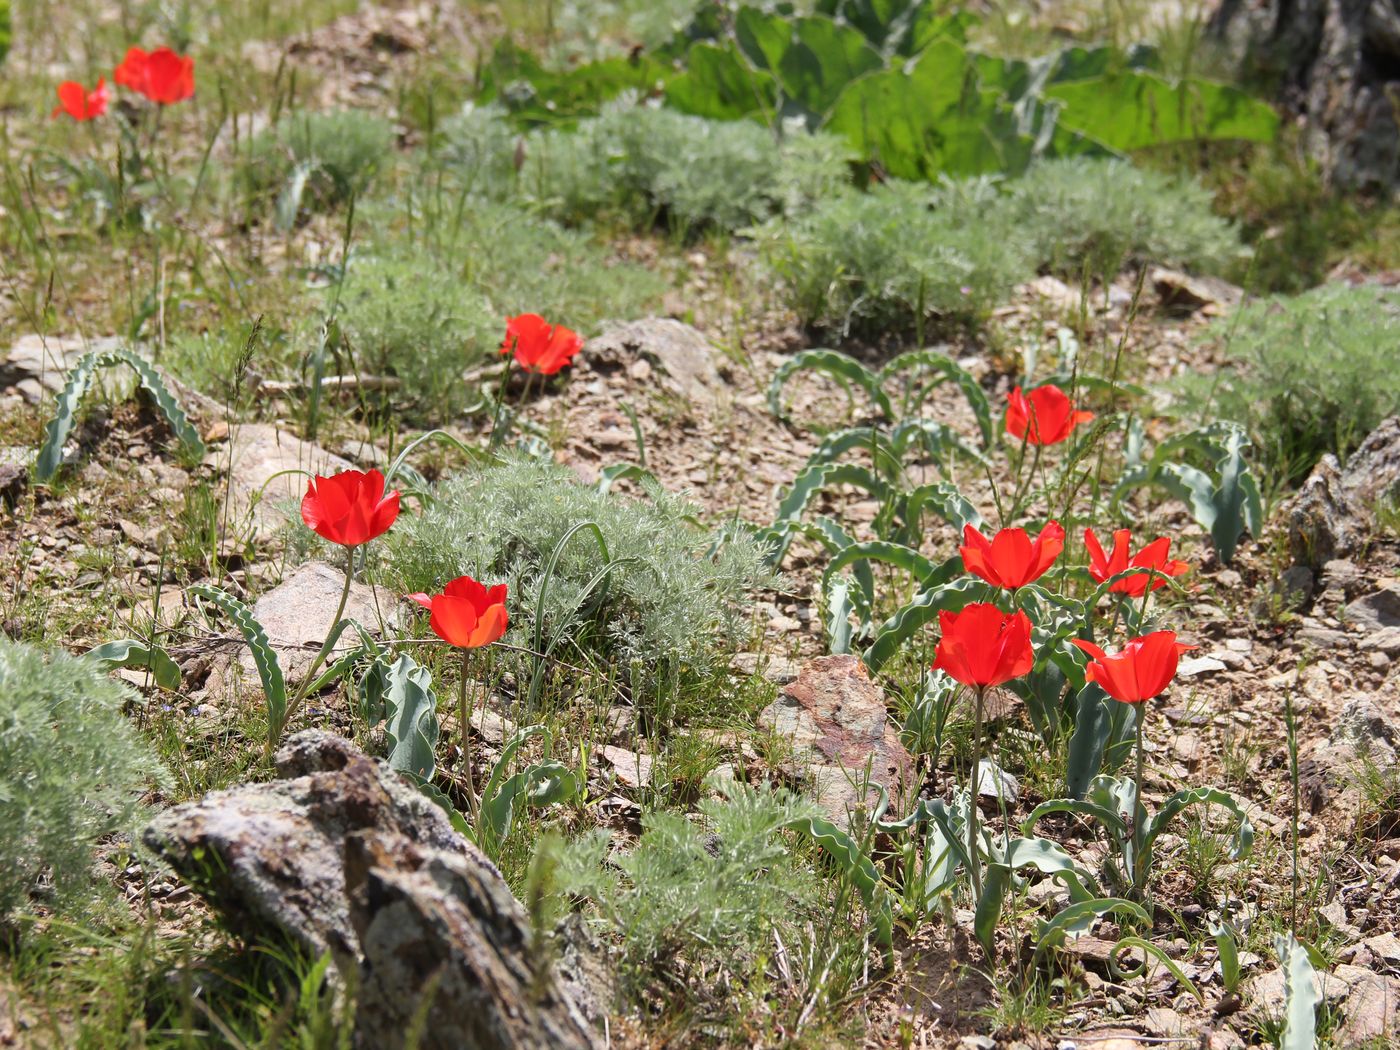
x,y
445,927
681,355
341,855
272,854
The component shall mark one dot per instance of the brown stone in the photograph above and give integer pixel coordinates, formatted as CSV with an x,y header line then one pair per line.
x,y
835,716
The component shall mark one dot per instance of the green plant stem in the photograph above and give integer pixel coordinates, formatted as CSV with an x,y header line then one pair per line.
x,y
464,720
306,683
974,856
1139,812
501,402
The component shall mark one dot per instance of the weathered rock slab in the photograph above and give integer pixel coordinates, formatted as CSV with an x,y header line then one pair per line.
x,y
682,357
35,364
835,717
297,615
262,462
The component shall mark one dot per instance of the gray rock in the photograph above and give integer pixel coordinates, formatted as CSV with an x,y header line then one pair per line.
x,y
1373,470
1362,731
683,358
445,924
780,670
1186,292
1323,524
341,855
1199,665
272,854
14,474
835,717
1296,586
1377,610
256,457
297,615
996,783
35,364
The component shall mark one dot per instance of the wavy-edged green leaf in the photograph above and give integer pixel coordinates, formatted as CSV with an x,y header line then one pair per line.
x,y
512,744
858,867
943,499
1103,733
937,440
836,590
76,386
883,452
719,82
900,628
1075,917
264,656
410,717
946,368
458,822
611,475
1084,808
540,784
1241,840
1120,972
131,653
924,571
843,368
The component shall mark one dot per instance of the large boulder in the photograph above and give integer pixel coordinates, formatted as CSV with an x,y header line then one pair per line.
x,y
1334,512
341,855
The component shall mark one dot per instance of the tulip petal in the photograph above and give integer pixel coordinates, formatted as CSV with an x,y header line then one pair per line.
x,y
453,620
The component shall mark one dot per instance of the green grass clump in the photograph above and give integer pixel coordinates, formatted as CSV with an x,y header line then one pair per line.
x,y
667,601
314,161
643,166
72,770
863,263
1104,214
406,316
1308,374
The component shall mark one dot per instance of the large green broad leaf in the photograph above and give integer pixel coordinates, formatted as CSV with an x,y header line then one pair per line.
x,y
1131,109
825,56
933,119
719,82
536,95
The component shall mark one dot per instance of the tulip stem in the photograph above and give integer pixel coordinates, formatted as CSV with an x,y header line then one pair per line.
x,y
275,735
464,720
500,402
1139,813
974,856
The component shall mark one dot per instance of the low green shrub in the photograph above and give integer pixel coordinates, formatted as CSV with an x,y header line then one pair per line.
x,y
667,601
72,770
1105,214
643,165
861,263
407,316
313,161
700,891
1307,374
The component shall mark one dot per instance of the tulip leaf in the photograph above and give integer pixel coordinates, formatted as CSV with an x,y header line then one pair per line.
x,y
936,439
1301,993
910,620
130,653
289,200
264,656
609,476
925,572
856,865
843,368
806,485
1241,840
540,784
943,499
1103,730
1077,917
410,717
837,592
1120,972
1225,508
77,384
836,444
945,368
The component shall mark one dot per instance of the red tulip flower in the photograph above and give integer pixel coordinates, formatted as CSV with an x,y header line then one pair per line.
x,y
539,346
1154,556
983,646
467,614
162,75
1009,559
79,103
1045,416
1141,670
349,508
